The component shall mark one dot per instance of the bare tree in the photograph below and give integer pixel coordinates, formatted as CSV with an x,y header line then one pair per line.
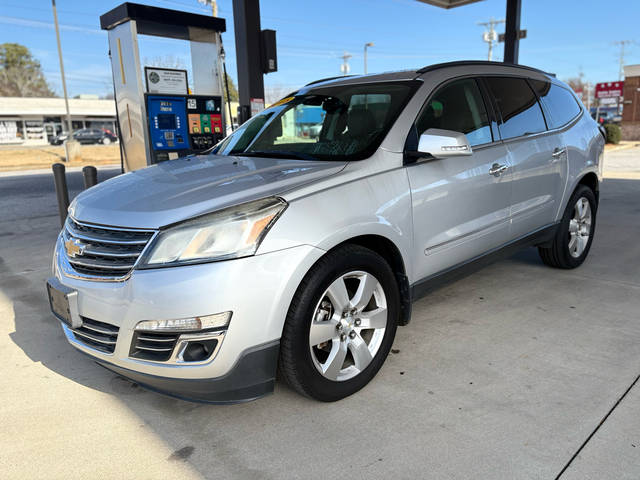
x,y
580,86
166,61
275,92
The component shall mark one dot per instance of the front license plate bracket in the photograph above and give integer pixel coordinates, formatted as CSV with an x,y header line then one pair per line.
x,y
64,303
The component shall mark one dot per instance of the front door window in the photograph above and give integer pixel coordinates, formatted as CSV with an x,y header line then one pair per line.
x,y
458,106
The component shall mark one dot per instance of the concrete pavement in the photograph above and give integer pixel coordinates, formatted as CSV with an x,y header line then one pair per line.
x,y
623,162
501,375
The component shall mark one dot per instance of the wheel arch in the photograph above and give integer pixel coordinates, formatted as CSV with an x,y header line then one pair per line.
x,y
590,180
388,250
587,178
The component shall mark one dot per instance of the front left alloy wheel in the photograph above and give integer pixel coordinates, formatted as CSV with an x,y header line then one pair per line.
x,y
341,324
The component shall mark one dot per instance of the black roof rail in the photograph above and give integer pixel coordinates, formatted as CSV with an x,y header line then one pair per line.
x,y
327,79
463,63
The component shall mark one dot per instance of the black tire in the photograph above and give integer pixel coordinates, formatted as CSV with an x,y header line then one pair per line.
x,y
558,255
296,365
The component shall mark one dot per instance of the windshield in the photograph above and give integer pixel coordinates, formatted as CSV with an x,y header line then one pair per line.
x,y
346,122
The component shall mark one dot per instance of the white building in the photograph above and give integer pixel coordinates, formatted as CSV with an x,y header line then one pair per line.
x,y
32,120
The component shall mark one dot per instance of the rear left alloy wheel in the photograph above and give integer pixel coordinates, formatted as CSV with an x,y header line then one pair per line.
x,y
341,324
106,141
573,238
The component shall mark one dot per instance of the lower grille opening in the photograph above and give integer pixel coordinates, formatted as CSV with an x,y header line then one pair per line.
x,y
99,335
154,346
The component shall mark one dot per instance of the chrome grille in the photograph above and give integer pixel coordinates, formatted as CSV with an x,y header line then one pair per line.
x,y
99,335
97,251
153,346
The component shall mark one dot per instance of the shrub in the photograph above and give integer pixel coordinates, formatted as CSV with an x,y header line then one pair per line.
x,y
614,133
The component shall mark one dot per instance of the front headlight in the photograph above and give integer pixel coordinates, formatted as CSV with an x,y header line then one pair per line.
x,y
230,233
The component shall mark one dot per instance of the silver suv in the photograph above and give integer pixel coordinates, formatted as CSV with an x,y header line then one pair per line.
x,y
281,250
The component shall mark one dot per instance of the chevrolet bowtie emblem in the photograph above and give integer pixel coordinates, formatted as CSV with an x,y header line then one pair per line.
x,y
74,247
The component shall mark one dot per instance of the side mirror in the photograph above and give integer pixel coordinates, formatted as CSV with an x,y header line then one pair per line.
x,y
444,143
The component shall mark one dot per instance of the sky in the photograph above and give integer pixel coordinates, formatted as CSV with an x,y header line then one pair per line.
x,y
566,37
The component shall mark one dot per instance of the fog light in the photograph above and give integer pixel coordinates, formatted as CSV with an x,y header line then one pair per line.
x,y
199,350
216,320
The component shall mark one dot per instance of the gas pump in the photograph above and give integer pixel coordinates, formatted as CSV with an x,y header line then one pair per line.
x,y
162,119
182,125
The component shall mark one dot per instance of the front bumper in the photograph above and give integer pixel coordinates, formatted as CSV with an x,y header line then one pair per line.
x,y
257,289
252,377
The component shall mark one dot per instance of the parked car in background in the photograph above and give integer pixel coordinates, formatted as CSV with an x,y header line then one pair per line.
x,y
86,136
199,277
606,116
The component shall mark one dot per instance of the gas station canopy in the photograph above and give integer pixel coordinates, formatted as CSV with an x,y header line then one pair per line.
x,y
449,3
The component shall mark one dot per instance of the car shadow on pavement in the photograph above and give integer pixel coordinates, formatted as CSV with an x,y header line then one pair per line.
x,y
197,433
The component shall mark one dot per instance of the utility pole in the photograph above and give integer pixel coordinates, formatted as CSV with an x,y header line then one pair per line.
x,y
214,6
223,58
345,68
366,45
490,36
64,83
622,44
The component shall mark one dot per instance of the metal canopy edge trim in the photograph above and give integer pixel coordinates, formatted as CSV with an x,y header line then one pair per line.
x,y
160,16
448,3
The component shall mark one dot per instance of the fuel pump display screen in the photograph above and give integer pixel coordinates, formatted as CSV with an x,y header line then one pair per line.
x,y
166,122
180,125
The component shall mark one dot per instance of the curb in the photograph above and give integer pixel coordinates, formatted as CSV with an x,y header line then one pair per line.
x,y
622,147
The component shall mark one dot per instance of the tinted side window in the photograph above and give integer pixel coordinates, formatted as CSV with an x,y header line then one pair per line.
x,y
457,106
521,112
559,102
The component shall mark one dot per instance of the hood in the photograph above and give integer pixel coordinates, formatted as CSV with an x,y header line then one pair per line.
x,y
175,190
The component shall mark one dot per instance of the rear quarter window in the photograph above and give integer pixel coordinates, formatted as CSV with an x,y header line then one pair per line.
x,y
559,102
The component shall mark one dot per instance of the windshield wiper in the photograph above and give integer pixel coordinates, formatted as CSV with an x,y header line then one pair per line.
x,y
276,153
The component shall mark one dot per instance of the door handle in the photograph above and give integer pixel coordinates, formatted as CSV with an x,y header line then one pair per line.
x,y
496,169
558,152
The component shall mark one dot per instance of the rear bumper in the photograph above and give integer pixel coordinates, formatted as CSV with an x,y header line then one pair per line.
x,y
252,377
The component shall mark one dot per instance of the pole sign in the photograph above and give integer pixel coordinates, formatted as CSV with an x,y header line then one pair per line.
x,y
521,34
257,105
609,90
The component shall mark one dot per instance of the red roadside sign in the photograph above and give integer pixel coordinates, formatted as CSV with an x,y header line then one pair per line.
x,y
609,89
